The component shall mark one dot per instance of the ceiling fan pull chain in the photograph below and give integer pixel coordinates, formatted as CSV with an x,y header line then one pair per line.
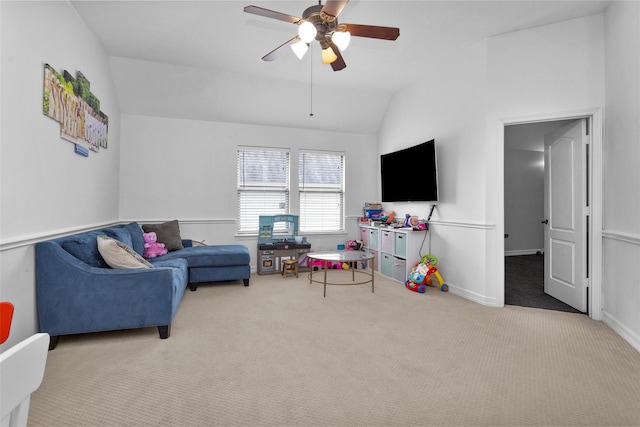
x,y
311,87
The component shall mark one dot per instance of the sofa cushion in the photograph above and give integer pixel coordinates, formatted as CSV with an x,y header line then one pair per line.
x,y
84,246
118,255
211,256
167,232
137,241
118,233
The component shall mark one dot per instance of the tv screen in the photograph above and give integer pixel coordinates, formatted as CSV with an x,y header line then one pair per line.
x,y
410,175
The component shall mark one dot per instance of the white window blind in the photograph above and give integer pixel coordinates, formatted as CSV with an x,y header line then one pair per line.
x,y
263,185
321,188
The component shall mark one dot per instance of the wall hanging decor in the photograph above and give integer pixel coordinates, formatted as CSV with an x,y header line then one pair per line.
x,y
69,101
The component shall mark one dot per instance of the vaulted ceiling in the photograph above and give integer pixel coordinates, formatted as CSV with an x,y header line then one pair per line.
x,y
202,59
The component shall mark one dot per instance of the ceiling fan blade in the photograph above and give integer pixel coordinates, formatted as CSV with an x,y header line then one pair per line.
x,y
339,63
256,10
334,7
373,31
277,52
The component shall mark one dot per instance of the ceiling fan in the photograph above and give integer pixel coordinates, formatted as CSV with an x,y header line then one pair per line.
x,y
321,23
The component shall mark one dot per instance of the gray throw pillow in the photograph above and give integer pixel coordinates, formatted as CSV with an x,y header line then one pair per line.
x,y
168,233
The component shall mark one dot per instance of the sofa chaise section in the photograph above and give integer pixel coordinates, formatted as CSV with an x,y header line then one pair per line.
x,y
214,263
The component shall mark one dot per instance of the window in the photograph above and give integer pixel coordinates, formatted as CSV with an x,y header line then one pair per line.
x,y
321,187
263,185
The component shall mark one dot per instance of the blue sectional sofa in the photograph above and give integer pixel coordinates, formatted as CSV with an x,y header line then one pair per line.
x,y
78,292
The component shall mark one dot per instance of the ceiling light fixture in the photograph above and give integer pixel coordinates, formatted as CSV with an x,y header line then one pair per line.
x,y
300,48
328,55
307,32
341,39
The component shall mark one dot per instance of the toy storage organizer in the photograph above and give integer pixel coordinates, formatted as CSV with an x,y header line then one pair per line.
x,y
396,251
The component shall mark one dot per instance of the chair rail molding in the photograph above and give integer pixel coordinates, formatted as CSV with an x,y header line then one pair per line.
x,y
634,239
31,239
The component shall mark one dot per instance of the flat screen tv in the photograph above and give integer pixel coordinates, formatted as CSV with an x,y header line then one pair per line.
x,y
410,175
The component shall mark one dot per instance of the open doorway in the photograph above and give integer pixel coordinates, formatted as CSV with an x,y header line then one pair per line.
x,y
594,117
524,216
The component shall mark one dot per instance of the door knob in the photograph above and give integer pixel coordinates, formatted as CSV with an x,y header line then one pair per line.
x,y
546,221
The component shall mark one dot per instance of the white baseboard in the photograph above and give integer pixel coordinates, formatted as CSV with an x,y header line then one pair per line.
x,y
523,252
472,296
627,334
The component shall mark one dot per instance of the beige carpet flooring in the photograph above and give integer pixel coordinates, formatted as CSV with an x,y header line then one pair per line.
x,y
278,353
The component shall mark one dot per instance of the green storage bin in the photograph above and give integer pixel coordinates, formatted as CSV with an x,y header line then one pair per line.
x,y
400,245
386,264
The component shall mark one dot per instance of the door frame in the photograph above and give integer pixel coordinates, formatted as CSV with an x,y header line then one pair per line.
x,y
594,182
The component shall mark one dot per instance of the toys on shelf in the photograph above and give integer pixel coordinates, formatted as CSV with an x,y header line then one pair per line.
x,y
372,210
387,217
411,221
420,275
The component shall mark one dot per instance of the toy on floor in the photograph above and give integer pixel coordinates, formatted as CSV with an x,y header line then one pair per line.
x,y
420,275
320,265
415,287
152,248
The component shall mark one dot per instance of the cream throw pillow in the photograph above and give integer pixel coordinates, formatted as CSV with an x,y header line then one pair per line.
x,y
119,255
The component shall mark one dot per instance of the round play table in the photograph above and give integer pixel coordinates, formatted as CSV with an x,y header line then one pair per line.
x,y
351,258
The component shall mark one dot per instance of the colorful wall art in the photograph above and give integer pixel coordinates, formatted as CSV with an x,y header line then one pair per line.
x,y
69,101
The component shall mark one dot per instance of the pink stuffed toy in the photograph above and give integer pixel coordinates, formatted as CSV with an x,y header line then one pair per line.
x,y
152,248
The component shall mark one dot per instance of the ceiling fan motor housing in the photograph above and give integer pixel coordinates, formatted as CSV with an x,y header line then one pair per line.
x,y
325,24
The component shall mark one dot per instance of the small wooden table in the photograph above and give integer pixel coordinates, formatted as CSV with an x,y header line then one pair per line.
x,y
349,257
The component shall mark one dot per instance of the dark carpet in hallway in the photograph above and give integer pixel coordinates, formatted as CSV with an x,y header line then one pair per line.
x,y
524,284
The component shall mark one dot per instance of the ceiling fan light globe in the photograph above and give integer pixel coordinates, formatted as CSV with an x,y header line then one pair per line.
x,y
328,56
341,39
300,48
307,32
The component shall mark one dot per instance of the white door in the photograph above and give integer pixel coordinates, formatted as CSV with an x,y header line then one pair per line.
x,y
566,213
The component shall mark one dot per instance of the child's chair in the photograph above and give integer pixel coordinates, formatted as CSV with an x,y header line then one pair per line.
x,y
21,371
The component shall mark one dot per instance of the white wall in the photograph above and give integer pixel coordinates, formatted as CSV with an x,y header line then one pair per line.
x,y
524,201
621,228
186,170
448,105
46,188
183,92
462,104
524,186
542,71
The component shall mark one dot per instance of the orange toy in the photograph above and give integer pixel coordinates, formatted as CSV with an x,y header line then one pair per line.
x,y
6,314
391,216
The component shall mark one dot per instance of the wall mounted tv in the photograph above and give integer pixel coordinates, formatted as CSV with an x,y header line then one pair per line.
x,y
410,175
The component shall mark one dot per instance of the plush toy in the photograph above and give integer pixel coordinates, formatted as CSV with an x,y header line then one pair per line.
x,y
152,248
